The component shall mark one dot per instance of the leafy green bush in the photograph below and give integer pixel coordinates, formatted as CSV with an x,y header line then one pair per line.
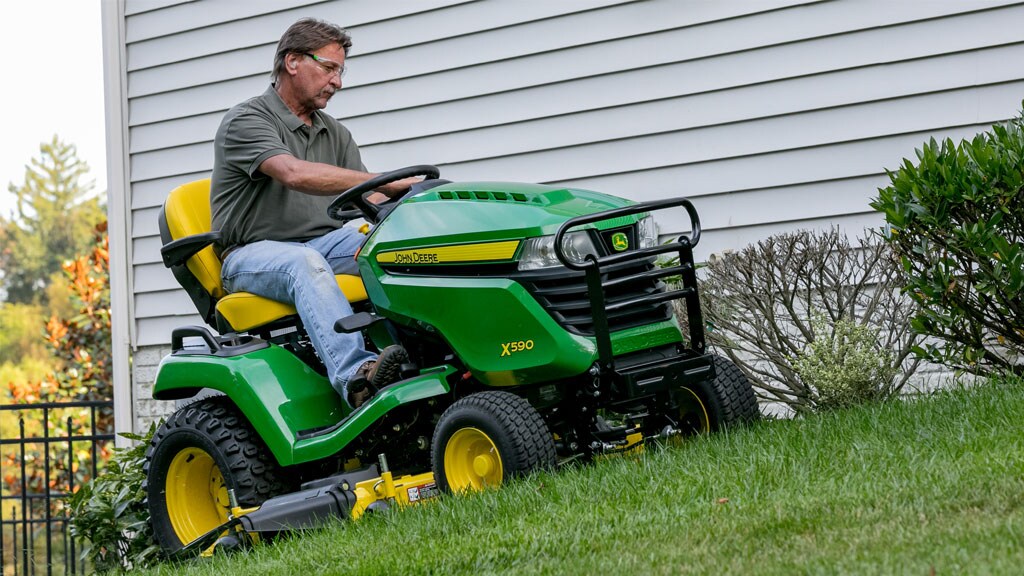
x,y
109,512
957,223
845,364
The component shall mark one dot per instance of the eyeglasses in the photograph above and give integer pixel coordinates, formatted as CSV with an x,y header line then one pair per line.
x,y
330,66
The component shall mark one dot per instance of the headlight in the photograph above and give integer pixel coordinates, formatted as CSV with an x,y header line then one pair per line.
x,y
540,252
647,230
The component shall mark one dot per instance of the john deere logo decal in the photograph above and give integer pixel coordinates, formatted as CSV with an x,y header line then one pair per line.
x,y
620,242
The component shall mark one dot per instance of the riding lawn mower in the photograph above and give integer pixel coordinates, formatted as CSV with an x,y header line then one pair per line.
x,y
539,326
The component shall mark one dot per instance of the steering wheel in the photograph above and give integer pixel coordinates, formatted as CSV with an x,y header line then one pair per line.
x,y
352,203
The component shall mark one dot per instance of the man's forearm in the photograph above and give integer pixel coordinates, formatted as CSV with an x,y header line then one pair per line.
x,y
321,179
312,177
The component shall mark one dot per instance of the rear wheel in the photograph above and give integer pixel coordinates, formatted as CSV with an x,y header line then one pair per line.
x,y
486,438
200,453
714,404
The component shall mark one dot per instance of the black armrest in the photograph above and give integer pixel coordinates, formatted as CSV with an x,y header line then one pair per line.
x,y
178,251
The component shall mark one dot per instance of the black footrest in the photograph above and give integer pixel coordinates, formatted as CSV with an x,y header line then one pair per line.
x,y
356,322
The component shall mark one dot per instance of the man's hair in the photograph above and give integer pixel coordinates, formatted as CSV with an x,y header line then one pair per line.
x,y
307,35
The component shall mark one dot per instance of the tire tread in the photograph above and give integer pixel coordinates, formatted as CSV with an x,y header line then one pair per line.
x,y
736,395
256,474
533,445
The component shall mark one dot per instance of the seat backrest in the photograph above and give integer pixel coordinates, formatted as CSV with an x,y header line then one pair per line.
x,y
186,212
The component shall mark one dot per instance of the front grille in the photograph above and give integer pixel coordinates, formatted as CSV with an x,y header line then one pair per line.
x,y
565,297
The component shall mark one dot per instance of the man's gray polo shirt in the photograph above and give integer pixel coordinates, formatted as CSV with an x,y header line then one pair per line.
x,y
248,205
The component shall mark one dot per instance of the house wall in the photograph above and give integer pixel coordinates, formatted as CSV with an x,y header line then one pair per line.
x,y
770,115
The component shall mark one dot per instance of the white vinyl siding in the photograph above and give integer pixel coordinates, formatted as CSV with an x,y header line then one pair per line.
x,y
770,114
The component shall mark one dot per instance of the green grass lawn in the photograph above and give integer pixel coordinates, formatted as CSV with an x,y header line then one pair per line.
x,y
908,487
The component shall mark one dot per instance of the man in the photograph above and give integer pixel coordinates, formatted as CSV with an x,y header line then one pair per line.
x,y
278,162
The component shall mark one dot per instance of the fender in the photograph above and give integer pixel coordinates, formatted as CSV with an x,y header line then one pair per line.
x,y
284,399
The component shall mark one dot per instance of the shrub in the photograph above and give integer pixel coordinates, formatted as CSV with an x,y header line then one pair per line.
x,y
845,364
760,304
956,221
109,512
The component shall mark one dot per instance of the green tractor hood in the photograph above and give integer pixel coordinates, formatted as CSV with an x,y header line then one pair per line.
x,y
488,211
446,261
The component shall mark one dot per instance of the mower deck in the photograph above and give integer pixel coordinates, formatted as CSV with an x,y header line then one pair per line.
x,y
349,495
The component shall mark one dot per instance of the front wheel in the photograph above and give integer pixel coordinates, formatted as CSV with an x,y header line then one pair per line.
x,y
486,438
200,453
711,405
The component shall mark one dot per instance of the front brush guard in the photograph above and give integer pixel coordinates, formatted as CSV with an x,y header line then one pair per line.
x,y
657,376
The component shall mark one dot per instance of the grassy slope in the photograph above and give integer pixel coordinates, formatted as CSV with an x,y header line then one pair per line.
x,y
899,488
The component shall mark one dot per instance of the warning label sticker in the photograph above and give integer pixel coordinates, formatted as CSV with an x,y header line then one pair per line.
x,y
422,492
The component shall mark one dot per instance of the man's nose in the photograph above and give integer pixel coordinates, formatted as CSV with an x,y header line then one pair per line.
x,y
336,81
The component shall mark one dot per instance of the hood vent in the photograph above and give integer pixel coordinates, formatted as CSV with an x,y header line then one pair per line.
x,y
483,195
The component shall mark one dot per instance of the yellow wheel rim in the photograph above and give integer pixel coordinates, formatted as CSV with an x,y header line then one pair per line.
x,y
472,461
197,498
693,415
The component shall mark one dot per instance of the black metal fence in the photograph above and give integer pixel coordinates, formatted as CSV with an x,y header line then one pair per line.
x,y
47,451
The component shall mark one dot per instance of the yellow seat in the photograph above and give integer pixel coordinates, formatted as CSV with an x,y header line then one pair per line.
x,y
185,221
245,311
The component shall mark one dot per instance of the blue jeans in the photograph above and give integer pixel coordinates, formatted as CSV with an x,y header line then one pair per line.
x,y
302,274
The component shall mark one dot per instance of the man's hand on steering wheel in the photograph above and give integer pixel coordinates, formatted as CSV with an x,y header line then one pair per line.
x,y
387,192
390,190
364,199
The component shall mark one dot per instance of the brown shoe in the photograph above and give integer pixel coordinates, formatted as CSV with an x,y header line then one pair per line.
x,y
359,386
388,367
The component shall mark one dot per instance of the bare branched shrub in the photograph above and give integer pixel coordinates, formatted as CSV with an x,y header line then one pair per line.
x,y
759,305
